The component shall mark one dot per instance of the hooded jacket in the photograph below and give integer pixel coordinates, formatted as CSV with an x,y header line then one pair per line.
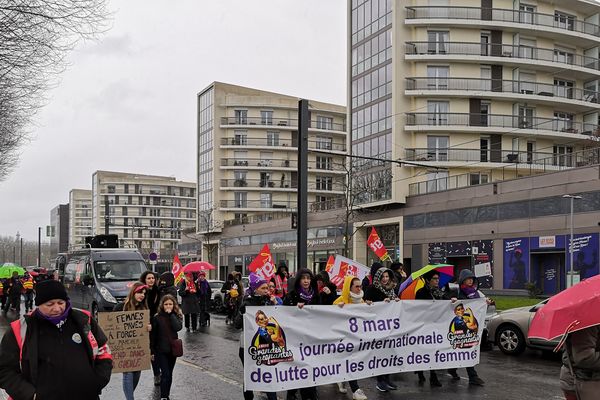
x,y
373,293
462,277
169,284
345,296
293,297
324,298
368,280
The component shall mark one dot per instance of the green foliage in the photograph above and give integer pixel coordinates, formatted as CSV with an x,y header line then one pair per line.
x,y
508,302
533,289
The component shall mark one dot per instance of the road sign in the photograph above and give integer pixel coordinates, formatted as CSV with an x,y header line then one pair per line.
x,y
153,256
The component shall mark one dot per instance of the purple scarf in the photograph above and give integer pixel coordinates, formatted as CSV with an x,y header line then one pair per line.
x,y
59,320
470,291
306,295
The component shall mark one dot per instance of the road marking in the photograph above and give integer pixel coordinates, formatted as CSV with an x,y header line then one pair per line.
x,y
211,373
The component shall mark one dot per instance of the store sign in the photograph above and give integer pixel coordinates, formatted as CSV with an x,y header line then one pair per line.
x,y
547,241
310,243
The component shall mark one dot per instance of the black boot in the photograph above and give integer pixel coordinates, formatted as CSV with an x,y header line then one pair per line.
x,y
433,380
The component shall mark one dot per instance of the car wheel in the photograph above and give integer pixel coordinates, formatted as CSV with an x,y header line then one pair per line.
x,y
510,340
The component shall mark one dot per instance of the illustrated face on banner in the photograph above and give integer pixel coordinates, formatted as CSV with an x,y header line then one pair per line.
x,y
516,263
268,345
585,255
464,328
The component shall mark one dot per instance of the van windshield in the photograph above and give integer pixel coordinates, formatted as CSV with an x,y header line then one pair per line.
x,y
119,270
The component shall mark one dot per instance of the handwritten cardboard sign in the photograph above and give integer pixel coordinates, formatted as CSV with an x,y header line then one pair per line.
x,y
128,338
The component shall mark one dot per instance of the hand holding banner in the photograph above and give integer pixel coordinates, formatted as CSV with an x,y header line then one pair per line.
x,y
263,265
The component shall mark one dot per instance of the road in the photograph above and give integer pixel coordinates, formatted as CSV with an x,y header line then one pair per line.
x,y
211,369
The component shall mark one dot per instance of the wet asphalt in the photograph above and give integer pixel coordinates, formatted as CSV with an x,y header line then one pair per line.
x,y
211,369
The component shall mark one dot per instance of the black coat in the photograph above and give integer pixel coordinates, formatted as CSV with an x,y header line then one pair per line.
x,y
328,299
152,299
164,290
54,365
189,301
293,298
164,329
373,294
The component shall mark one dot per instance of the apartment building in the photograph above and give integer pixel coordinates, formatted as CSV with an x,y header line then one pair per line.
x,y
146,211
58,229
247,155
80,216
472,91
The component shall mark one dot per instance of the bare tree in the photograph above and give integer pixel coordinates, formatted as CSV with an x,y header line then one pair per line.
x,y
209,229
35,38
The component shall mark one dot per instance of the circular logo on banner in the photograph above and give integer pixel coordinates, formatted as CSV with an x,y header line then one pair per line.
x,y
76,338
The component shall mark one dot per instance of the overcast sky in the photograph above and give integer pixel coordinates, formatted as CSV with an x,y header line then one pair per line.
x,y
128,101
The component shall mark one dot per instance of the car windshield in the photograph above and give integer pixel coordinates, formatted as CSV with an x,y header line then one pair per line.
x,y
216,285
119,270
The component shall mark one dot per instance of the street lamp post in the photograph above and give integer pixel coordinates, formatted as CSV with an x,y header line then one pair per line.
x,y
571,272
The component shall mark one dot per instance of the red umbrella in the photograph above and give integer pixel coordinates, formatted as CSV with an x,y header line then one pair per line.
x,y
568,311
197,266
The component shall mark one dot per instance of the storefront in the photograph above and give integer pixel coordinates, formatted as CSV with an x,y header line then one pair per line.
x,y
476,255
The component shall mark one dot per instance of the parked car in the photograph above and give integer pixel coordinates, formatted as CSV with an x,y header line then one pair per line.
x,y
509,329
216,298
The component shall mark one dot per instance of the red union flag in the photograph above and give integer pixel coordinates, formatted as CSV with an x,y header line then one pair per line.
x,y
329,266
177,269
263,265
375,243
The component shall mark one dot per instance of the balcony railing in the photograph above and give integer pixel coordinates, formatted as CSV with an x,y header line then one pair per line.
x,y
503,15
504,86
501,50
284,205
263,183
266,142
257,162
501,121
515,170
282,122
475,155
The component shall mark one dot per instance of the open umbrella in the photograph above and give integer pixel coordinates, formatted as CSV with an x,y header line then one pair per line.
x,y
415,281
6,271
571,310
197,266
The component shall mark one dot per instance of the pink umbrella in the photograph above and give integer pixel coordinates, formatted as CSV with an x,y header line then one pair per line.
x,y
571,310
197,266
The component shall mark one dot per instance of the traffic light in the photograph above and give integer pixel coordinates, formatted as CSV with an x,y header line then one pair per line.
x,y
294,220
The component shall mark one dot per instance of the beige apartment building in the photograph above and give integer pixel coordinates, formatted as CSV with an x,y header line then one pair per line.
x,y
470,92
247,155
146,211
80,216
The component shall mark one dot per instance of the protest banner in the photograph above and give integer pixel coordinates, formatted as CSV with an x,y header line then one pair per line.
x,y
342,267
128,339
317,345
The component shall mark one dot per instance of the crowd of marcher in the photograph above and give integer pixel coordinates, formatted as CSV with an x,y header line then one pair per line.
x,y
42,351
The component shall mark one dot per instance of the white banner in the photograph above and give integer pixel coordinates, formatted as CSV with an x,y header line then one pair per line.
x,y
343,266
288,347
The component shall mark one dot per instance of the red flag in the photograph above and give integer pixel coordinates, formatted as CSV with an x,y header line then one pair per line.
x,y
375,243
329,266
177,269
263,265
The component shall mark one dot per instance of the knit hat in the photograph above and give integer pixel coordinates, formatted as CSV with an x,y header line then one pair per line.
x,y
202,273
255,281
49,290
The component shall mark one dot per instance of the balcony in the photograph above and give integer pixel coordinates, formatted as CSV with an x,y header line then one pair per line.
x,y
546,93
497,17
291,145
477,156
280,123
259,183
503,123
507,53
274,205
257,162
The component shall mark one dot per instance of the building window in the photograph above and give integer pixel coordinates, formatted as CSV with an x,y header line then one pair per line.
x,y
110,189
266,200
266,117
478,179
240,199
437,148
266,159
324,183
324,122
272,138
563,156
241,117
563,56
526,115
324,162
563,122
563,88
437,77
324,143
437,181
438,112
265,179
240,158
564,21
437,42
526,13
240,138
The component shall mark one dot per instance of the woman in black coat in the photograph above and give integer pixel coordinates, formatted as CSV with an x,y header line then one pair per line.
x,y
188,290
165,325
166,285
327,290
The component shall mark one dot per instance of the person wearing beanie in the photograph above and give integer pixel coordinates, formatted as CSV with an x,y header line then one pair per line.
x,y
64,353
258,295
166,285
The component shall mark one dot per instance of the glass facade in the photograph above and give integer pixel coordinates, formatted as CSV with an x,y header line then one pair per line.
x,y
205,159
371,98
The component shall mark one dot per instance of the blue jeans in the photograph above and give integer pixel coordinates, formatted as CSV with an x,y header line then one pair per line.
x,y
167,364
130,382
